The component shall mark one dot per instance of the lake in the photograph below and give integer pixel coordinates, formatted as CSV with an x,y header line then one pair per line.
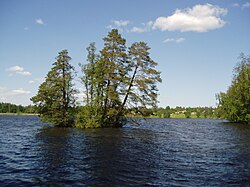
x,y
160,152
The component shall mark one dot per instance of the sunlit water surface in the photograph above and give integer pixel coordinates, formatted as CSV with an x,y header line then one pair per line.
x,y
160,152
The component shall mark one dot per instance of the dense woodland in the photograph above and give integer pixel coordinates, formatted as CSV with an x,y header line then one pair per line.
x,y
17,109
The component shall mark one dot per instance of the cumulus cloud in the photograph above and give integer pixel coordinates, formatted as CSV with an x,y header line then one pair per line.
x,y
199,18
18,70
39,21
175,40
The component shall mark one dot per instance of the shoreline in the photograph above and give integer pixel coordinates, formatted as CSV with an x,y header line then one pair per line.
x,y
18,114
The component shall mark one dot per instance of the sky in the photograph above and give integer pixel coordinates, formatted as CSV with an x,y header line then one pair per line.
x,y
196,43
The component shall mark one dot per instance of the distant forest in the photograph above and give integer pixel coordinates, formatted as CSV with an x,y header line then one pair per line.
x,y
16,109
167,112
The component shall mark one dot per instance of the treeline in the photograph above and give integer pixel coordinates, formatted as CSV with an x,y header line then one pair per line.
x,y
179,112
188,112
12,108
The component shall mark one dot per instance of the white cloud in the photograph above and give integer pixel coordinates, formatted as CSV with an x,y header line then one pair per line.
x,y
243,6
17,96
146,27
236,5
36,80
121,23
199,18
39,21
175,40
138,30
6,93
17,70
246,5
20,91
25,73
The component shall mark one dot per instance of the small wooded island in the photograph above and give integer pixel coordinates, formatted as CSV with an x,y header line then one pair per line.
x,y
114,80
118,80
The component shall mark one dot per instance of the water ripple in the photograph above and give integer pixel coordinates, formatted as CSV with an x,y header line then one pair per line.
x,y
160,152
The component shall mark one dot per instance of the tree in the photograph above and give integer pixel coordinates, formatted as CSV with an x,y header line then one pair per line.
x,y
235,103
187,113
141,89
55,99
94,86
104,79
115,81
198,112
164,113
114,60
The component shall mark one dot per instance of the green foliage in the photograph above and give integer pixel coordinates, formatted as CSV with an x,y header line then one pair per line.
x,y
55,100
164,113
12,108
189,112
85,120
116,80
235,103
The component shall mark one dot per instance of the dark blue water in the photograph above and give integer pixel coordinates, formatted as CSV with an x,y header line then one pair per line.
x,y
161,152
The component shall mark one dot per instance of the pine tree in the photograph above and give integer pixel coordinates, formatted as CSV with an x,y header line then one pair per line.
x,y
55,99
142,89
114,60
93,81
115,81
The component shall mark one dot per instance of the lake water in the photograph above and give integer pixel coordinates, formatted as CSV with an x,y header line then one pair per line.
x,y
160,152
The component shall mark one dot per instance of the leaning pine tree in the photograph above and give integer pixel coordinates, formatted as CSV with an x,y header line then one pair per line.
x,y
55,100
116,81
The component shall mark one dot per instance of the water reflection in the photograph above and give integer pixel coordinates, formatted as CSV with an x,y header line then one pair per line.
x,y
53,154
98,156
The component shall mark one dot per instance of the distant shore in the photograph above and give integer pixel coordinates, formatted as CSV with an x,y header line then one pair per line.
x,y
18,114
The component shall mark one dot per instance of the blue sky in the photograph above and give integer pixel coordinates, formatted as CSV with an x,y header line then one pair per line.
x,y
196,43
